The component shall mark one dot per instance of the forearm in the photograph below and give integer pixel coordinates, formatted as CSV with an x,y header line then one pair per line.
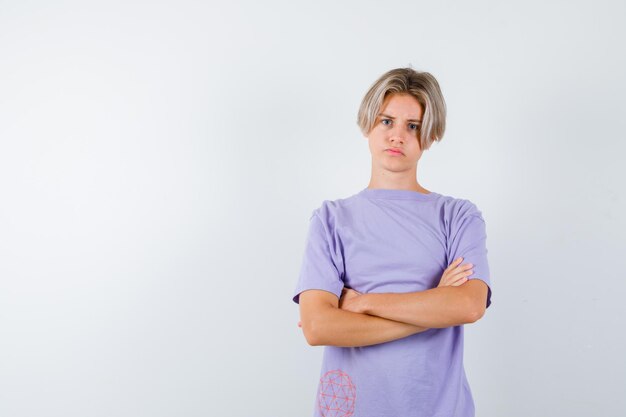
x,y
433,308
336,327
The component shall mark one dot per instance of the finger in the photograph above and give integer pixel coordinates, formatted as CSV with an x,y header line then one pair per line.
x,y
454,276
460,273
464,274
454,263
447,279
452,282
444,278
459,282
458,277
465,266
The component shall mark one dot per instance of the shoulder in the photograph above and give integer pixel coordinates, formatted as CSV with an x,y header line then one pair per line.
x,y
330,210
457,210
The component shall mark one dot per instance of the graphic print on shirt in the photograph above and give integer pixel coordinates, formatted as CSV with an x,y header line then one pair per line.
x,y
336,394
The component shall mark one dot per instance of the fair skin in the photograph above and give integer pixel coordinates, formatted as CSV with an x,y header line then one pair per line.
x,y
356,319
329,320
397,126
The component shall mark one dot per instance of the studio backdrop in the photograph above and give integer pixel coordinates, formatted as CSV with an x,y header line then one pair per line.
x,y
159,162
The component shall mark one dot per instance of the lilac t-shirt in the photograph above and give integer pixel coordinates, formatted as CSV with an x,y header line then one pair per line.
x,y
379,241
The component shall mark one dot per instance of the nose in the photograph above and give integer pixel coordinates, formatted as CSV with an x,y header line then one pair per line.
x,y
397,135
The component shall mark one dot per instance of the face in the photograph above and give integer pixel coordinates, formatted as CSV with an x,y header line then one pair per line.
x,y
394,139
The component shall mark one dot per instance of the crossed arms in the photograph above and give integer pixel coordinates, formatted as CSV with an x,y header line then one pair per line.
x,y
367,319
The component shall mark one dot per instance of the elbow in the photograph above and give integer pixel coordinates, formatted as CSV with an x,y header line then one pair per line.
x,y
311,330
316,324
474,316
312,339
474,312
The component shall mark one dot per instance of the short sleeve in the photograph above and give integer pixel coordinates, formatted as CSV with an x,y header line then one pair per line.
x,y
469,240
319,269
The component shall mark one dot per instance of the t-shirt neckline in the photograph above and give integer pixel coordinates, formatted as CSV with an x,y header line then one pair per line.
x,y
389,194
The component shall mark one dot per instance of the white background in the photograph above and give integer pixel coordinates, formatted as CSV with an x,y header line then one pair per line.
x,y
159,162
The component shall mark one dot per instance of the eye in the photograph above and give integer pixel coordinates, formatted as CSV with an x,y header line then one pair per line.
x,y
386,120
414,126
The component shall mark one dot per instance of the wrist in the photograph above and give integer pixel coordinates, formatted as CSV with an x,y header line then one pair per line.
x,y
364,305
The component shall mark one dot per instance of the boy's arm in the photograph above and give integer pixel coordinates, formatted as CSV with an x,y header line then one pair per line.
x,y
324,323
433,308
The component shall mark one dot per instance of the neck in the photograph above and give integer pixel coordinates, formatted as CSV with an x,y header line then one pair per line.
x,y
395,185
395,180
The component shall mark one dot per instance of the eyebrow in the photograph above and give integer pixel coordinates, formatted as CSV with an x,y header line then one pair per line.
x,y
393,118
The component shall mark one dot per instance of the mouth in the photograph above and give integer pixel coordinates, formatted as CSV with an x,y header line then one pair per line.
x,y
394,151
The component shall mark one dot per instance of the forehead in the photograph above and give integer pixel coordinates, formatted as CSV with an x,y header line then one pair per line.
x,y
403,106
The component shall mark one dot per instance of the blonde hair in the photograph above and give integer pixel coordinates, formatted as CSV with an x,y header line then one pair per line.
x,y
421,85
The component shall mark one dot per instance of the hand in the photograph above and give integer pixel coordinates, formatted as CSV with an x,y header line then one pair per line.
x,y
349,300
456,274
